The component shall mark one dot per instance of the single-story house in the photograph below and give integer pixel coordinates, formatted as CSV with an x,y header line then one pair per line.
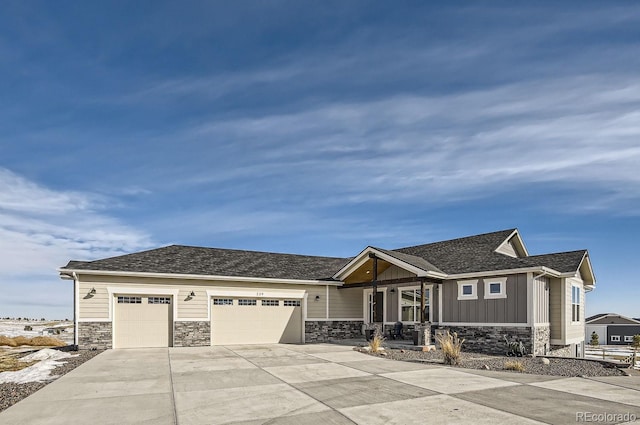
x,y
612,329
484,287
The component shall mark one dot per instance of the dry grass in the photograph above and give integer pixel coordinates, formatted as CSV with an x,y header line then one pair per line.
x,y
36,341
10,363
375,344
516,365
451,347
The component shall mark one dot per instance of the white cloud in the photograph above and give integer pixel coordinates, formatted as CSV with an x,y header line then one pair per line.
x,y
574,132
41,229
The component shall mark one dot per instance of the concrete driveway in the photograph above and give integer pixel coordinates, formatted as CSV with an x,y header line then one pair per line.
x,y
309,384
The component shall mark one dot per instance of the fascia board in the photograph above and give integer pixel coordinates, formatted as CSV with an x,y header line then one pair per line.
x,y
202,277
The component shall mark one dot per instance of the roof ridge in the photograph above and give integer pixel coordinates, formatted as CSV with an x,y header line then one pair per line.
x,y
258,252
457,239
556,253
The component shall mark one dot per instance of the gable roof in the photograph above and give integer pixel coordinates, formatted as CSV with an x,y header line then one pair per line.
x,y
617,319
467,255
191,260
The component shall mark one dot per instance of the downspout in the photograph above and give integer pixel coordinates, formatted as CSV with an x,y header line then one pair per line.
x,y
76,288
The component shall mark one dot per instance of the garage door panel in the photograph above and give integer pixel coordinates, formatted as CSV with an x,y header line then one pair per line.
x,y
142,324
255,324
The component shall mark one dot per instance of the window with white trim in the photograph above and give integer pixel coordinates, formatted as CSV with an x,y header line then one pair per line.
x,y
615,338
292,303
271,303
628,338
159,300
495,288
467,290
222,301
575,303
129,300
247,302
410,304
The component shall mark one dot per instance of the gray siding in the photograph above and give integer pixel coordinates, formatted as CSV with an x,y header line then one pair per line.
x,y
512,309
555,308
541,297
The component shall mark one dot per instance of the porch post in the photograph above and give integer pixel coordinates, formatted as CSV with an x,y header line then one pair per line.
x,y
422,320
374,283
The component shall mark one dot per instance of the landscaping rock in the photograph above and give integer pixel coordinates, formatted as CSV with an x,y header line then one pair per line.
x,y
545,361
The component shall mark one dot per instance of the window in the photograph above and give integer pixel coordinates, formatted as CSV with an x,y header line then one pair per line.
x,y
467,290
129,300
247,302
575,303
495,287
292,303
615,338
271,303
410,304
222,301
159,300
628,338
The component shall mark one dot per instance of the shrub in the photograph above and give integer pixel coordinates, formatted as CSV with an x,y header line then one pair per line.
x,y
595,339
514,365
451,347
636,341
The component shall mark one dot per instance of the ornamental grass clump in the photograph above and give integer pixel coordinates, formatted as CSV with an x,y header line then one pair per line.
x,y
375,345
451,347
516,365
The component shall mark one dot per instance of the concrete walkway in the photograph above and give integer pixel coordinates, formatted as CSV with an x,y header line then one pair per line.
x,y
310,384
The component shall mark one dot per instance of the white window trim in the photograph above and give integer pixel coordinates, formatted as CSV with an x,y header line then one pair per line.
x,y
580,313
503,288
365,303
615,338
628,338
474,289
409,288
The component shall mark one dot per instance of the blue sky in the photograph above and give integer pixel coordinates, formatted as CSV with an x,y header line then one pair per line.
x,y
315,128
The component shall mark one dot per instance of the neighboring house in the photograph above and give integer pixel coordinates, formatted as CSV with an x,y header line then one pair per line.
x,y
483,287
612,329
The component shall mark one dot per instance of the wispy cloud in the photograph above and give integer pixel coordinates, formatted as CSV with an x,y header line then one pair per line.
x,y
41,228
579,131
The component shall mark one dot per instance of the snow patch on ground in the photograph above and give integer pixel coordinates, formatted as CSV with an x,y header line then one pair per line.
x,y
47,359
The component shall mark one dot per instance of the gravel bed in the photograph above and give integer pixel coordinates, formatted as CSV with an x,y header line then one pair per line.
x,y
11,393
532,365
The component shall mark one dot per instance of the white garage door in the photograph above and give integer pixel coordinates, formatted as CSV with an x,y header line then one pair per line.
x,y
255,321
142,321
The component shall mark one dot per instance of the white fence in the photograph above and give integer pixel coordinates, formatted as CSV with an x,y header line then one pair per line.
x,y
612,353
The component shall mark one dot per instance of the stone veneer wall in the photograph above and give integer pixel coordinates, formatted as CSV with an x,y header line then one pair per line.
x,y
97,335
327,330
541,337
490,339
561,351
192,334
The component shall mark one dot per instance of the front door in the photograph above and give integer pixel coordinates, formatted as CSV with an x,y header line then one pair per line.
x,y
379,307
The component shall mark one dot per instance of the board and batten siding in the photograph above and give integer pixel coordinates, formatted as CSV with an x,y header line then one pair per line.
x,y
512,309
541,297
395,272
96,306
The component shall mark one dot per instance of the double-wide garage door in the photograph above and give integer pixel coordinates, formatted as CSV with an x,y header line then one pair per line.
x,y
237,320
142,321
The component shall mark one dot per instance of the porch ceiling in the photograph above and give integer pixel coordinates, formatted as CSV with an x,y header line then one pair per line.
x,y
360,274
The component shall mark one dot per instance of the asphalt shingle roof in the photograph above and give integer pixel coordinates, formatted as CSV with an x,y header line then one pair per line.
x,y
463,255
180,259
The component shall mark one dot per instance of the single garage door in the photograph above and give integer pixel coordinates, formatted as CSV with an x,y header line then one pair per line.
x,y
143,321
255,321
